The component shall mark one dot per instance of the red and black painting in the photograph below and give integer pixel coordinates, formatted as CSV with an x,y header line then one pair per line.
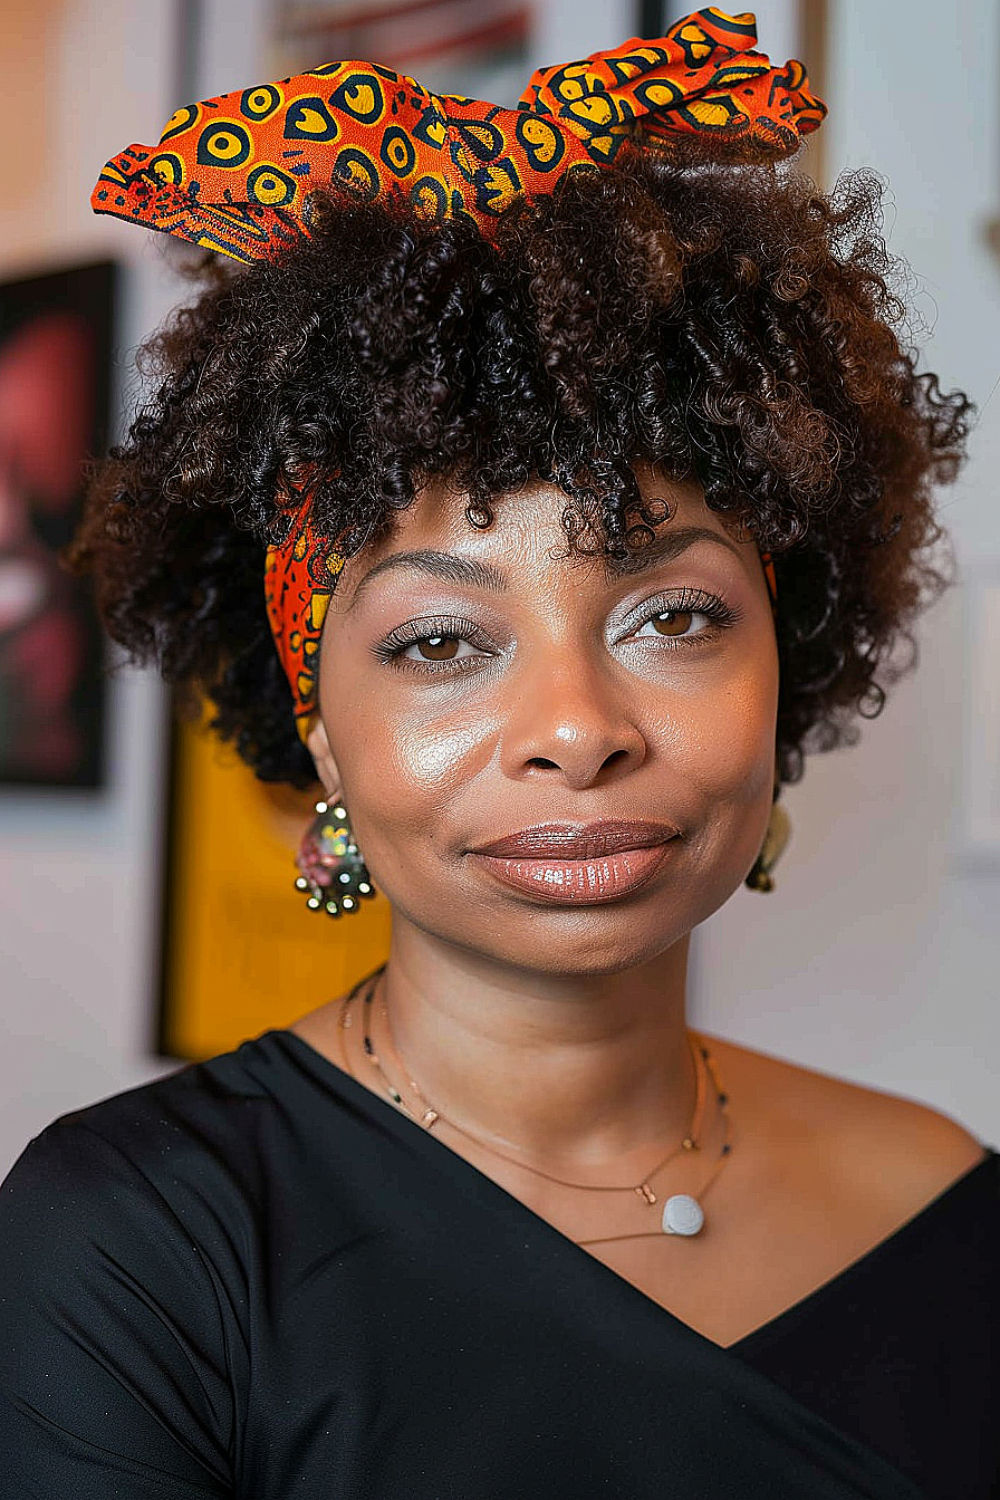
x,y
55,353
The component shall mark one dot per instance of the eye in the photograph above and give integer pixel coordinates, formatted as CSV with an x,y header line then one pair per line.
x,y
689,618
434,648
457,645
675,621
435,645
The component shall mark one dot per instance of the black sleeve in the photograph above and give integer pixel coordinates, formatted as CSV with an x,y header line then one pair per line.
x,y
114,1377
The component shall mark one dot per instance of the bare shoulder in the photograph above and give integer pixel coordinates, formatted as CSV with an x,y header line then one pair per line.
x,y
892,1152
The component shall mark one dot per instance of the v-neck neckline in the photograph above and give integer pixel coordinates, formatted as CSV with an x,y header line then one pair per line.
x,y
409,1132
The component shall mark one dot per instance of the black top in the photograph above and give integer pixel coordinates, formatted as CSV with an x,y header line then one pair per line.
x,y
255,1278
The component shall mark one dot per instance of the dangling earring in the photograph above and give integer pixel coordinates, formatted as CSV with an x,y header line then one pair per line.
x,y
779,830
333,870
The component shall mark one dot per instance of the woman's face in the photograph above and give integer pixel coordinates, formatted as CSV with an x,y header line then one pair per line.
x,y
472,686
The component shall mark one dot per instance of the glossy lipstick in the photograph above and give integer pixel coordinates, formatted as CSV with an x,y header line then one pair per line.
x,y
572,864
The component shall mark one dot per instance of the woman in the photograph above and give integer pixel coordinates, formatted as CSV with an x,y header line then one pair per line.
x,y
589,492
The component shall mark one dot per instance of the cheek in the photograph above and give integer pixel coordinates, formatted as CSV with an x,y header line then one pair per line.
x,y
720,736
737,746
403,773
730,761
720,750
425,763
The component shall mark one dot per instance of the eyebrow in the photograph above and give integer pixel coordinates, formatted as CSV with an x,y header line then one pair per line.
x,y
449,567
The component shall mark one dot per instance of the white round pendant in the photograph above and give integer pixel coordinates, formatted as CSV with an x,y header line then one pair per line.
x,y
682,1214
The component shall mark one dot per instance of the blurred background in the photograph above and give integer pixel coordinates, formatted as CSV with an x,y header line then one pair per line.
x,y
131,852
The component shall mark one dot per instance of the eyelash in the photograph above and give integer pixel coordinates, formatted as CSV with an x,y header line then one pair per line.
x,y
391,649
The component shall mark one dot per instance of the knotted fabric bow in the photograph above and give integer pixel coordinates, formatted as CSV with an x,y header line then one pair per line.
x,y
236,174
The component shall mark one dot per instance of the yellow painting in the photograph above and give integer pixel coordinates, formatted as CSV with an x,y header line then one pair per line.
x,y
242,952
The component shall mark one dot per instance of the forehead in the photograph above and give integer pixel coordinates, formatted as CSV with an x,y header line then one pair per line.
x,y
527,523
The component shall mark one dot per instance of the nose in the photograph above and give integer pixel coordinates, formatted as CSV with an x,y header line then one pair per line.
x,y
571,719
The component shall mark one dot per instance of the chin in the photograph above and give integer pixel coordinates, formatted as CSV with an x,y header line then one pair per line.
x,y
609,937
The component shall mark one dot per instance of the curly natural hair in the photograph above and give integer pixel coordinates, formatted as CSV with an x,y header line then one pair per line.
x,y
727,321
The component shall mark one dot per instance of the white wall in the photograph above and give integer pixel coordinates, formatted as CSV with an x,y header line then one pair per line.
x,y
877,956
571,28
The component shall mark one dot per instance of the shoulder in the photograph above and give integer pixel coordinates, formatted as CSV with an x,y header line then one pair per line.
x,y
156,1154
873,1147
124,1284
216,1095
197,1156
143,1202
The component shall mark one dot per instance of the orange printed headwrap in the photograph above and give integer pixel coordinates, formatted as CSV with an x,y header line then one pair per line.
x,y
236,174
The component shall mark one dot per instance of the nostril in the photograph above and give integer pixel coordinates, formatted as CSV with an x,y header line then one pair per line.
x,y
539,760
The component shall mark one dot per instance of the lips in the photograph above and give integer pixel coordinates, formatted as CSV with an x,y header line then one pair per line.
x,y
588,841
570,864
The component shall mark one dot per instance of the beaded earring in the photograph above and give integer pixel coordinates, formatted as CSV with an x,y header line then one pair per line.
x,y
333,871
779,831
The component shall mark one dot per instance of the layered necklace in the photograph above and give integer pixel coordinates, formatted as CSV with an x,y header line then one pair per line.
x,y
681,1213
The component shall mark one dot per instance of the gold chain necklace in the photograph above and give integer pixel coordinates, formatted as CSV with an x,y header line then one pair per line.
x,y
682,1213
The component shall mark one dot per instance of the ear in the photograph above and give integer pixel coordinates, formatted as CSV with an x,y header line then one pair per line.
x,y
318,745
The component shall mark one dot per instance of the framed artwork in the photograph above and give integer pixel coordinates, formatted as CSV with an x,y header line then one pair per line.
x,y
55,349
241,951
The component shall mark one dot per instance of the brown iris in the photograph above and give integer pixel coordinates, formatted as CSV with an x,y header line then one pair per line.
x,y
673,621
439,647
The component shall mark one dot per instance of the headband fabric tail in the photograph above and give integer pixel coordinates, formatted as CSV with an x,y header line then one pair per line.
x,y
237,173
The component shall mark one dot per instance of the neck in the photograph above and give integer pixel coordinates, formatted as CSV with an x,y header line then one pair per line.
x,y
576,1070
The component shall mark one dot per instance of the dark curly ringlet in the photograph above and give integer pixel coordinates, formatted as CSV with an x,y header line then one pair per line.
x,y
727,321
